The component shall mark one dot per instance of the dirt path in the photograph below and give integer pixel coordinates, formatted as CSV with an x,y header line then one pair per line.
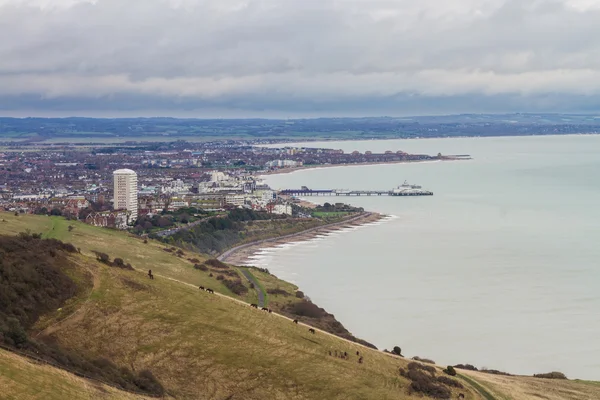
x,y
259,293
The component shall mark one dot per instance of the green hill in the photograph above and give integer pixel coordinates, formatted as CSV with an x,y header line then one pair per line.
x,y
210,346
23,379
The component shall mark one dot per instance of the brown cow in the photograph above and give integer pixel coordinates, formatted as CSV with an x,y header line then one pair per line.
x,y
296,321
201,287
150,274
461,396
360,360
311,330
209,290
254,305
265,309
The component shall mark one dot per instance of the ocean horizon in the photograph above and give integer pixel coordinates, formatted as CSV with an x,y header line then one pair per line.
x,y
498,269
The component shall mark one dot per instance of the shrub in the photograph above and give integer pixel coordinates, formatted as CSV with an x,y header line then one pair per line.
x,y
551,375
148,383
450,382
450,370
299,294
236,286
211,275
194,260
306,309
423,360
220,277
278,292
397,351
467,367
118,262
216,264
201,267
251,285
494,372
145,241
415,366
102,257
426,384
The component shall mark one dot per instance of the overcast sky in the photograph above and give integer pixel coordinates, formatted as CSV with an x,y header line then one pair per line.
x,y
289,58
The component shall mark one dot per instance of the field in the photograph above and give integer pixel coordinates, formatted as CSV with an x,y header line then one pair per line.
x,y
205,346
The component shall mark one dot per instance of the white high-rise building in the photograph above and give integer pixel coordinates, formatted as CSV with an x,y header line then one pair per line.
x,y
126,192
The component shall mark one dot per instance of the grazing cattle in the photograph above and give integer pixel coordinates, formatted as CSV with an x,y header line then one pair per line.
x,y
296,321
265,309
345,355
150,274
270,311
201,287
254,305
461,396
358,353
360,360
329,352
311,330
209,290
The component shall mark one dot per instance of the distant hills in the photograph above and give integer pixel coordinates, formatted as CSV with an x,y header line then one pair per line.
x,y
168,129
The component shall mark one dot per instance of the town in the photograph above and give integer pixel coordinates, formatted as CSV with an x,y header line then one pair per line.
x,y
84,183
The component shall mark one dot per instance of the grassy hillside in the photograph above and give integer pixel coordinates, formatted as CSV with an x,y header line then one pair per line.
x,y
23,379
203,346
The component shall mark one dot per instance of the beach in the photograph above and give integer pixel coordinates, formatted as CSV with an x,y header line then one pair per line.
x,y
242,255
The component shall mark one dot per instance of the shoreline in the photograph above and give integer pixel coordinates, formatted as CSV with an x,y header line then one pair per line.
x,y
289,170
242,254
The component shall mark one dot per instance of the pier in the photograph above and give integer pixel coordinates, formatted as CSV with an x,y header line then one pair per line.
x,y
304,191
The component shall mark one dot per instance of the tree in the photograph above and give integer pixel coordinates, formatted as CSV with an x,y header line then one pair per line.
x,y
56,212
397,351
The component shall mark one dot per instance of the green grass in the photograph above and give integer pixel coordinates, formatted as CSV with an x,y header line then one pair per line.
x,y
23,379
486,395
206,346
116,244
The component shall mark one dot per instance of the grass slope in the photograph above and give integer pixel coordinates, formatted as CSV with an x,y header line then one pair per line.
x,y
203,346
23,379
207,346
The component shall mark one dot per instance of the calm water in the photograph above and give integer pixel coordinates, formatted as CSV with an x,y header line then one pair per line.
x,y
501,268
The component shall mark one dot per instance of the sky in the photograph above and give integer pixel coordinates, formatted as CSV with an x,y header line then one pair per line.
x,y
298,58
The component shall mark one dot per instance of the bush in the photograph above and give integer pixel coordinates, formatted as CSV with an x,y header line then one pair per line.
x,y
201,267
118,262
494,372
220,277
467,367
426,384
415,366
306,309
216,264
236,287
551,375
102,257
251,285
450,382
423,360
299,294
450,370
148,383
278,291
397,351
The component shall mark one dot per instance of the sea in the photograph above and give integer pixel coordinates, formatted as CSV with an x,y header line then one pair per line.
x,y
499,269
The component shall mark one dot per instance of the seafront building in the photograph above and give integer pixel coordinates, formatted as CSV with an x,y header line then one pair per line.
x,y
126,192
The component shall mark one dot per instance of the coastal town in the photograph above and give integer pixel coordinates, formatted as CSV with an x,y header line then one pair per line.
x,y
81,183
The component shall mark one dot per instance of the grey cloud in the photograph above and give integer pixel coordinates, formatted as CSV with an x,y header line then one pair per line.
x,y
299,55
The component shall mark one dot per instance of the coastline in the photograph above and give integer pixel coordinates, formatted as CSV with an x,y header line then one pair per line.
x,y
241,255
361,164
